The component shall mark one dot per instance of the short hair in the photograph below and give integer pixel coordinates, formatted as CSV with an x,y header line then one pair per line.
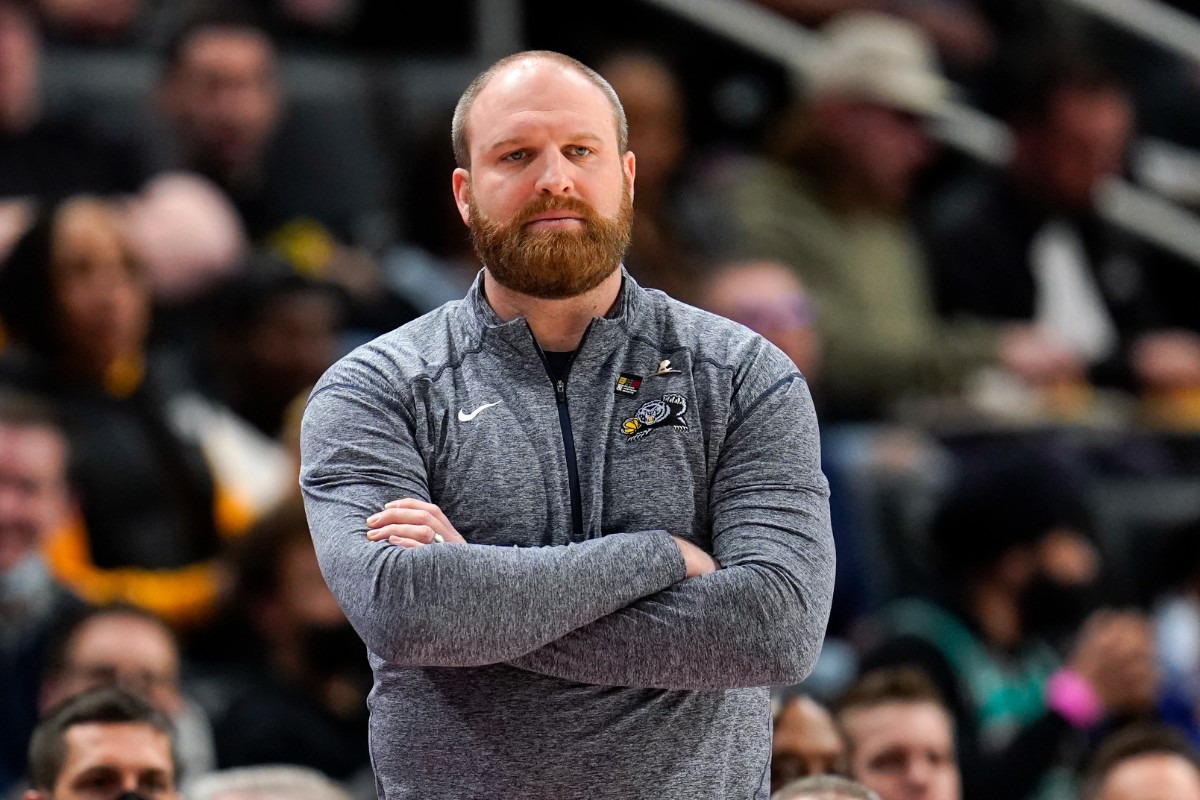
x,y
1035,80
882,685
900,684
67,632
103,705
25,409
225,17
1144,737
266,782
814,785
458,134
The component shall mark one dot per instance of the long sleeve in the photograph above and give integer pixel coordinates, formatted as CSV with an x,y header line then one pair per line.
x,y
450,604
761,618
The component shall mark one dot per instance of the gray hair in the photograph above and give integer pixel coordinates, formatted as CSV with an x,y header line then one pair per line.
x,y
458,134
813,786
266,782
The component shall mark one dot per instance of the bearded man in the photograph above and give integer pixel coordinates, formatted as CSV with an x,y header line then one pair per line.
x,y
580,526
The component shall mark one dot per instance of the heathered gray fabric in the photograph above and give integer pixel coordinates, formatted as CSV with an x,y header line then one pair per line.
x,y
532,663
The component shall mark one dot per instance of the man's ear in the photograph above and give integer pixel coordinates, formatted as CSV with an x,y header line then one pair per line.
x,y
461,181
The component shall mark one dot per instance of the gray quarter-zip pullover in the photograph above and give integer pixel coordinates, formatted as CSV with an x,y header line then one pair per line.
x,y
563,656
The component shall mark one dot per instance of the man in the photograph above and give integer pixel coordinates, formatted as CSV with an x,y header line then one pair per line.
x,y
127,646
834,197
48,153
34,500
100,745
1025,243
1013,625
598,528
824,787
900,736
1144,761
805,741
227,116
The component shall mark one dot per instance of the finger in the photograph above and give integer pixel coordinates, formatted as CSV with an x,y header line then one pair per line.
x,y
401,516
420,533
409,544
409,502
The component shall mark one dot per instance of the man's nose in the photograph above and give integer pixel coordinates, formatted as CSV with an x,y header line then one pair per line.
x,y
555,177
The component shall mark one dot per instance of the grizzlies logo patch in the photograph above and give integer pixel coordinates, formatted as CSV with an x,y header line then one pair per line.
x,y
665,413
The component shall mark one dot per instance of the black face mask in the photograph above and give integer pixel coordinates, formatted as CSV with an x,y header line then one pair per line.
x,y
1056,610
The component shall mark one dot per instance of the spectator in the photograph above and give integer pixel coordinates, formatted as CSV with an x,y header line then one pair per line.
x,y
95,23
104,742
1015,634
1171,589
768,297
221,97
1025,244
34,500
662,253
900,738
271,334
804,741
824,787
187,234
1142,762
152,510
835,199
126,646
289,675
46,155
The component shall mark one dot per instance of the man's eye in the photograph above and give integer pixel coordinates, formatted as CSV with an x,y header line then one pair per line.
x,y
97,783
580,150
155,785
516,155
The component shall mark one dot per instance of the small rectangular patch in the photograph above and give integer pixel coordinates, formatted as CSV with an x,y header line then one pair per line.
x,y
628,384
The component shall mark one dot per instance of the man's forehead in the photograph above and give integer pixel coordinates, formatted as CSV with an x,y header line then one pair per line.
x,y
532,85
98,741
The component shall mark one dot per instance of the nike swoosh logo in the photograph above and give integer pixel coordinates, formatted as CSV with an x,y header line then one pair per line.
x,y
465,417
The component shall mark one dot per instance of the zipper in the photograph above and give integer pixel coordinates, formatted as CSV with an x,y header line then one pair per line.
x,y
564,424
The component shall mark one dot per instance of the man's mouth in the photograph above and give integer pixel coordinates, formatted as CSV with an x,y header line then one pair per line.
x,y
555,220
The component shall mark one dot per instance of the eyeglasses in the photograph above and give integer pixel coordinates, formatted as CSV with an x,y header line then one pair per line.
x,y
140,681
788,312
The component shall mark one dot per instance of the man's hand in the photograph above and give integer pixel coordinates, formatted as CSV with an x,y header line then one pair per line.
x,y
1115,653
411,523
696,560
1039,356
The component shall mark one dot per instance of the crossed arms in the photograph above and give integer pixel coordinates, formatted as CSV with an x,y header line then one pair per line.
x,y
620,610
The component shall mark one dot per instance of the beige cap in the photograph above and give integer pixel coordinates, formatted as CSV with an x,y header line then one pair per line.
x,y
880,57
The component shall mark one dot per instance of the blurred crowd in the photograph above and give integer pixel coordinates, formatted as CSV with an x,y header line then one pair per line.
x,y
203,205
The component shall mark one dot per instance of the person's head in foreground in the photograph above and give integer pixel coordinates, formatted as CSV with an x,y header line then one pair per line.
x,y
102,744
805,741
1144,761
265,782
900,736
824,787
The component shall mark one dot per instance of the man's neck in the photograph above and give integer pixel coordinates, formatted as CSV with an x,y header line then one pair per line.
x,y
557,325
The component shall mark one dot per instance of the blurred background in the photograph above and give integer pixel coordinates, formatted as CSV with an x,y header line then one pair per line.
x,y
971,223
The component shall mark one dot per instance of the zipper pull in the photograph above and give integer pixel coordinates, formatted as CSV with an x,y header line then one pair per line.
x,y
560,391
